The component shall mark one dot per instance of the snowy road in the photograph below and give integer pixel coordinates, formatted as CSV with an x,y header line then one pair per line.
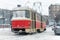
x,y
6,34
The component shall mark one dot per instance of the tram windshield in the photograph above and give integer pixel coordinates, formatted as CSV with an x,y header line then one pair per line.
x,y
21,14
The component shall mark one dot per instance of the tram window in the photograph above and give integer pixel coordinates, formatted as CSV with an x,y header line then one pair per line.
x,y
38,17
43,19
19,14
22,13
27,14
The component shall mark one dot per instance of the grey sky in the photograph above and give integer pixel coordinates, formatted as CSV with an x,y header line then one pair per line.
x,y
9,4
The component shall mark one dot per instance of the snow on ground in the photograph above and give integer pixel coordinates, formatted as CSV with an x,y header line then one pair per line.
x,y
6,34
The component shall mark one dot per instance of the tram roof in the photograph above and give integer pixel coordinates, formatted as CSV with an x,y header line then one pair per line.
x,y
22,8
25,8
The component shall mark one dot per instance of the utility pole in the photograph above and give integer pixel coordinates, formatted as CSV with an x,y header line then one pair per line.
x,y
38,5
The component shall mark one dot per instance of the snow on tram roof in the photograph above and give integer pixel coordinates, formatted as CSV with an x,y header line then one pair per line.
x,y
22,8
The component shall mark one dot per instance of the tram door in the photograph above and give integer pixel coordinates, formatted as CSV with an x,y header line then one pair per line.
x,y
33,17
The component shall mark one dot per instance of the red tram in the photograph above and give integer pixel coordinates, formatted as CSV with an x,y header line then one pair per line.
x,y
27,20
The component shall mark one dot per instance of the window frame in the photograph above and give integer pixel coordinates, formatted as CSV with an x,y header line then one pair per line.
x,y
25,12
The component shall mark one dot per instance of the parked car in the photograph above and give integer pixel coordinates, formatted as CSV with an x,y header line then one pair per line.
x,y
56,29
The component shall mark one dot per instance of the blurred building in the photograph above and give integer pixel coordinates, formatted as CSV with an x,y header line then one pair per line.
x,y
54,12
5,16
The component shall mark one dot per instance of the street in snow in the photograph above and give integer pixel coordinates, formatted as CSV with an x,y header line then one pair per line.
x,y
6,34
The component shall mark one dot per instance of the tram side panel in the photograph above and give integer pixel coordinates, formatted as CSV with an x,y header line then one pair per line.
x,y
38,21
43,23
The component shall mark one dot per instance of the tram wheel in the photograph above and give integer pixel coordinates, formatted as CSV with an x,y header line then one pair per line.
x,y
44,29
38,30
